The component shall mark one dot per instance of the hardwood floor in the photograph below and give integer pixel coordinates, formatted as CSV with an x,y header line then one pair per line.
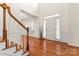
x,y
39,47
43,47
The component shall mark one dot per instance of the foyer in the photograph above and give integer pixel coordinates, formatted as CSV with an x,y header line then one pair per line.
x,y
40,29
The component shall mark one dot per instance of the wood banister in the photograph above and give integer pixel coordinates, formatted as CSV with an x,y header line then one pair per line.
x,y
27,29
1,5
15,18
9,12
5,7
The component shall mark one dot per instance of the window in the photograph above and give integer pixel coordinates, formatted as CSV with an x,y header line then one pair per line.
x,y
51,27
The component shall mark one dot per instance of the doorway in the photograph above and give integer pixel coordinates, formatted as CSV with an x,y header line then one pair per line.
x,y
51,29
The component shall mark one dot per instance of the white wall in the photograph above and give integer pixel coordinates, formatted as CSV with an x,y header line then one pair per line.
x,y
74,24
47,9
69,16
31,8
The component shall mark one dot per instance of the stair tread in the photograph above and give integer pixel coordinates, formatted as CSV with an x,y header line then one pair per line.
x,y
9,52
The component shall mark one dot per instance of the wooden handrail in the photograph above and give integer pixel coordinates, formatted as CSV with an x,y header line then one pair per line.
x,y
1,5
9,12
27,29
5,7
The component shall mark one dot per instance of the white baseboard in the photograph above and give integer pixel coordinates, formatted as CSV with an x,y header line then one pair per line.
x,y
72,44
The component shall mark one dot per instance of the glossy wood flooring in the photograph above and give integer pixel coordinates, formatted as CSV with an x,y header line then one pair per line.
x,y
39,47
44,47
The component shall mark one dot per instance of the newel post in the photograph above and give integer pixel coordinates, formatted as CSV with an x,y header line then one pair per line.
x,y
27,48
4,25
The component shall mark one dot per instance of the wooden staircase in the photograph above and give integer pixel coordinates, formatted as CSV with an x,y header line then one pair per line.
x,y
9,46
13,49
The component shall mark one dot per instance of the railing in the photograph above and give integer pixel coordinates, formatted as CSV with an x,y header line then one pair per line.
x,y
8,35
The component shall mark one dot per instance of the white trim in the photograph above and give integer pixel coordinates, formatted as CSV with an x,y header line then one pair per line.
x,y
58,28
57,15
44,33
72,44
